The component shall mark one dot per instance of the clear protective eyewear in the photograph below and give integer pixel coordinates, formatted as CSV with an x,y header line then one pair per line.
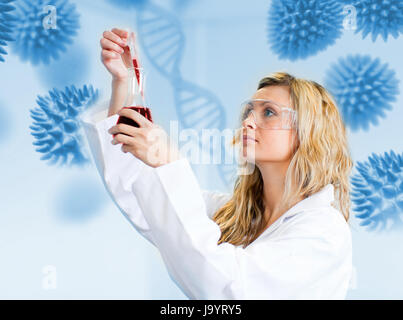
x,y
269,114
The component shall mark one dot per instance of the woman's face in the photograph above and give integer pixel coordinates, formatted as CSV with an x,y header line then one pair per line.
x,y
271,145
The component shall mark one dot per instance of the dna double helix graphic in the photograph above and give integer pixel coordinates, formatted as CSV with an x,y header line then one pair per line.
x,y
162,40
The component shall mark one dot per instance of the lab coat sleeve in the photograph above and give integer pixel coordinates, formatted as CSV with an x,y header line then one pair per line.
x,y
173,206
117,169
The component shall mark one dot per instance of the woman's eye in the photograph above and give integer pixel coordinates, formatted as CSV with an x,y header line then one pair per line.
x,y
268,112
245,115
247,112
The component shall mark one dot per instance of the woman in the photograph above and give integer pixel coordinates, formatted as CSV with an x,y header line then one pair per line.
x,y
282,234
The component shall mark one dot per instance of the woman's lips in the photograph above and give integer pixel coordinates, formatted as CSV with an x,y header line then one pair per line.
x,y
246,138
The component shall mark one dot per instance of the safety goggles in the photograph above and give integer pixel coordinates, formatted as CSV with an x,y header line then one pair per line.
x,y
268,114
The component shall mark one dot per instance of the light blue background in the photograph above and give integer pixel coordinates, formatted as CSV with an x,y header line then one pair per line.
x,y
226,52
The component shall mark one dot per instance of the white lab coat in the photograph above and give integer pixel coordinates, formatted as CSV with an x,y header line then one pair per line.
x,y
305,254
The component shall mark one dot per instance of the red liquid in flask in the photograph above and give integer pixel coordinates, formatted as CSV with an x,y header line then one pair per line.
x,y
144,111
136,69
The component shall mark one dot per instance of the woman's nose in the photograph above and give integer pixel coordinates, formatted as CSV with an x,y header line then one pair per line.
x,y
249,121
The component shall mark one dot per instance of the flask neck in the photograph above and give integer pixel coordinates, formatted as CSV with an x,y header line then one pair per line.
x,y
135,87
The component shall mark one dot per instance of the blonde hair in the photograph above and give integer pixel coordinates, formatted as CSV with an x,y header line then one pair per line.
x,y
321,157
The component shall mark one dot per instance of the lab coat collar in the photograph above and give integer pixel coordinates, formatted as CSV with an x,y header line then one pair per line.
x,y
319,199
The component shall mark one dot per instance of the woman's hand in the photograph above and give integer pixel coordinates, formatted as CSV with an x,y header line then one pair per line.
x,y
115,54
149,143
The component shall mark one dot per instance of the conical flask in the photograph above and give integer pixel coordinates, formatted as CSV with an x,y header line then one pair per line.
x,y
135,98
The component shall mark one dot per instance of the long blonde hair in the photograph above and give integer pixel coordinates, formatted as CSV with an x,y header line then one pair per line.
x,y
321,157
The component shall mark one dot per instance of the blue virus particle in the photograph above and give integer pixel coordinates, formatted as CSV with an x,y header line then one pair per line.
x,y
56,125
6,25
378,17
377,192
363,88
302,28
44,28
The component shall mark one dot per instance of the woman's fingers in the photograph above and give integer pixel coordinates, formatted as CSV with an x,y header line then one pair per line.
x,y
124,128
114,38
122,138
120,32
107,54
109,45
